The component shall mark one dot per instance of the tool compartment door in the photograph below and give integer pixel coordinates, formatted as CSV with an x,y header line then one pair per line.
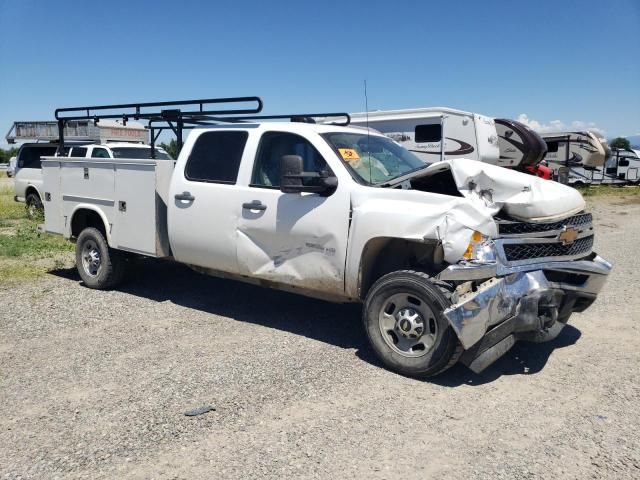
x,y
134,211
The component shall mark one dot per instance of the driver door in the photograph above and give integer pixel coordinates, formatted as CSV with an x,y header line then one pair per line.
x,y
298,239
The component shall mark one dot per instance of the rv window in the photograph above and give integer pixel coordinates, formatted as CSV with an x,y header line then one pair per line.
x,y
78,152
623,162
552,147
428,133
216,156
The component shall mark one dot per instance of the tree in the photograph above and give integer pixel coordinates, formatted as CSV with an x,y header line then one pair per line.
x,y
171,148
620,142
5,155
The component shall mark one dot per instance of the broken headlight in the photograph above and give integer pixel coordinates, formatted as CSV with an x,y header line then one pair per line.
x,y
481,249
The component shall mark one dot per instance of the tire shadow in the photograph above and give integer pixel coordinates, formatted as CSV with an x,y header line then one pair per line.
x,y
524,358
335,324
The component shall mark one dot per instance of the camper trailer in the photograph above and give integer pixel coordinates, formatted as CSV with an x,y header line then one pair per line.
x,y
501,142
574,156
421,130
620,168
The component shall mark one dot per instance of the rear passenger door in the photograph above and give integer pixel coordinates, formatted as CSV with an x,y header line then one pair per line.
x,y
204,202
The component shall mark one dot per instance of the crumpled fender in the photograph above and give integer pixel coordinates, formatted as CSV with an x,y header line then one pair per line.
x,y
523,196
413,215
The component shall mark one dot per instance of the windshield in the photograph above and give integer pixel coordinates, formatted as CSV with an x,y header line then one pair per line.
x,y
374,159
133,152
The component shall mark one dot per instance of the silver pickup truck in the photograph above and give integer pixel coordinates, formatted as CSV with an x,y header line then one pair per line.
x,y
453,261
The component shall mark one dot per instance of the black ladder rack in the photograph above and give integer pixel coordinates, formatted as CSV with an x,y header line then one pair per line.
x,y
178,120
141,111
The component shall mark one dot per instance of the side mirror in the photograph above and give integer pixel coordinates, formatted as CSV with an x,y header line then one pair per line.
x,y
292,177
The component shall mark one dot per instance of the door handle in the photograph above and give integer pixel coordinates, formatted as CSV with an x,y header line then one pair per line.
x,y
255,205
185,196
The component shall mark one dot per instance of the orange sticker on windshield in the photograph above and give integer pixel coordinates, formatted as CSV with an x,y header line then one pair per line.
x,y
349,154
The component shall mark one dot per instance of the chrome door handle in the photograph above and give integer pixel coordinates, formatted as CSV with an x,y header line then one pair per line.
x,y
255,205
184,196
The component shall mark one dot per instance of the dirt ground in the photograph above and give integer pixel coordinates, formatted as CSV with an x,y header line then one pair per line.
x,y
96,384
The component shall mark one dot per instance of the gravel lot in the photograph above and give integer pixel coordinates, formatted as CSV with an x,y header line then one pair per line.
x,y
95,385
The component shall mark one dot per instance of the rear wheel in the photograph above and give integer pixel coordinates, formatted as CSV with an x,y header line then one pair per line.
x,y
406,327
34,206
99,266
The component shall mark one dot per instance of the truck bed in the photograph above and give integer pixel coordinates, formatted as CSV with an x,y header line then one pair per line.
x,y
131,195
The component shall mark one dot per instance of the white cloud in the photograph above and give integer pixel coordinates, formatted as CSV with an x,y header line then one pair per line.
x,y
558,125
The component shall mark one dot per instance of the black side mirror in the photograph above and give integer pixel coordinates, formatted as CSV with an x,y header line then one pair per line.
x,y
291,173
292,177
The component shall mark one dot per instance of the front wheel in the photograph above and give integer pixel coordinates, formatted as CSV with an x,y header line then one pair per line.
x,y
406,327
99,266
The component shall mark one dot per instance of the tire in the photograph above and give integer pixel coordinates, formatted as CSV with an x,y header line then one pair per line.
x,y
35,209
404,308
99,266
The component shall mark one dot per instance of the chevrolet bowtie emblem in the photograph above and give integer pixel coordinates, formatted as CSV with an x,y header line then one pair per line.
x,y
568,235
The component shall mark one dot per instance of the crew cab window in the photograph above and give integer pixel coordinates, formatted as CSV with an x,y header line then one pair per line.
x,y
100,153
428,133
273,146
215,157
78,152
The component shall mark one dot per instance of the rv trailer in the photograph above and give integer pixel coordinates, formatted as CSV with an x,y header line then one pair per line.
x,y
574,156
620,168
421,130
501,142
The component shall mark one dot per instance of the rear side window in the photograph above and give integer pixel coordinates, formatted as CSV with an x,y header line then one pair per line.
x,y
29,156
428,133
100,153
78,152
216,156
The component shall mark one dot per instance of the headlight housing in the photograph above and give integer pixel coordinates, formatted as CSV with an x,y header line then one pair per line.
x,y
481,249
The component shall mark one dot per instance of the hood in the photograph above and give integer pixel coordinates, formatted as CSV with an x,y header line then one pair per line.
x,y
522,196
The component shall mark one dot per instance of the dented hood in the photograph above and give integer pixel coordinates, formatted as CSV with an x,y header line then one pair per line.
x,y
522,196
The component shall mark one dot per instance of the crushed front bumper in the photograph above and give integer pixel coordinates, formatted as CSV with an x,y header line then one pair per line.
x,y
510,300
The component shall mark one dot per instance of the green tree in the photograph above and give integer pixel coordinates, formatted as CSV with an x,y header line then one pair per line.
x,y
620,142
171,148
5,155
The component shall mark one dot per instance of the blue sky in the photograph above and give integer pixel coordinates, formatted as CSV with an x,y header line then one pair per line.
x,y
560,63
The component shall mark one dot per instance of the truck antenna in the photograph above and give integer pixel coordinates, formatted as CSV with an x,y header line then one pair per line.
x,y
366,110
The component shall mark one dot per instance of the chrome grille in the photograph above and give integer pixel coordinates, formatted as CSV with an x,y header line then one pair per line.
x,y
514,227
526,251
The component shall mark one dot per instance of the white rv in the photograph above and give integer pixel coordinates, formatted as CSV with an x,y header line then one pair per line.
x,y
421,130
502,142
574,156
622,167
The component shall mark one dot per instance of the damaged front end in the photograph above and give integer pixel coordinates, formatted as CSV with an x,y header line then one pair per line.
x,y
535,276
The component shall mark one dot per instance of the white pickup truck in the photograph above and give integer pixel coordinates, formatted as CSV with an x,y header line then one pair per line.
x,y
453,261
